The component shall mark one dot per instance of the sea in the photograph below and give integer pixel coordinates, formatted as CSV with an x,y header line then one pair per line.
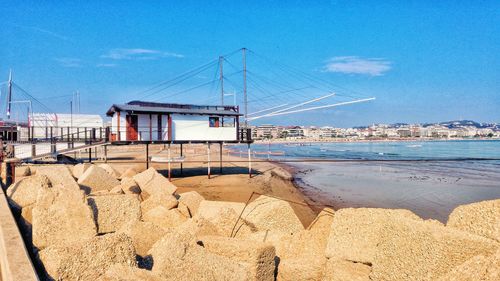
x,y
430,178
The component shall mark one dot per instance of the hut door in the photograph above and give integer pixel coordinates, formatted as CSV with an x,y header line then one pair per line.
x,y
131,127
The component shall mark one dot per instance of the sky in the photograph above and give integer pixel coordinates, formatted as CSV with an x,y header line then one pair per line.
x,y
423,61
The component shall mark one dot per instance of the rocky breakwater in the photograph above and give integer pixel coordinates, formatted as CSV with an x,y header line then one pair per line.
x,y
89,223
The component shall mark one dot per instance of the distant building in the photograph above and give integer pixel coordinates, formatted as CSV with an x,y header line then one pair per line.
x,y
46,125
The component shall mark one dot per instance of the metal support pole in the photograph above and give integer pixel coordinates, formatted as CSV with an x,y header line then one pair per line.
x,y
10,170
249,162
147,156
220,158
208,159
169,164
90,155
105,154
181,159
33,150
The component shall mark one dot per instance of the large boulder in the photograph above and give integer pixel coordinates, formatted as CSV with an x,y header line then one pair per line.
x,y
166,201
211,209
129,186
25,191
226,217
258,257
110,170
485,268
151,182
120,272
87,259
61,215
341,270
58,175
421,250
178,257
355,233
97,179
80,168
129,173
164,218
481,218
271,214
143,234
189,202
113,211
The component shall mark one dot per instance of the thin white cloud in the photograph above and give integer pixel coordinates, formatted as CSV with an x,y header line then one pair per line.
x,y
138,54
106,65
357,65
69,62
41,30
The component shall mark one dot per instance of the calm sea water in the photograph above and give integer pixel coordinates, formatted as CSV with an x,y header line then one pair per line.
x,y
430,189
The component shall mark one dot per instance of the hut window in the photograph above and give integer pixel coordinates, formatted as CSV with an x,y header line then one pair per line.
x,y
213,122
228,122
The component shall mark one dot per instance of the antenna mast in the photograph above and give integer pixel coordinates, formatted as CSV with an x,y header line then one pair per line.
x,y
245,84
221,60
9,95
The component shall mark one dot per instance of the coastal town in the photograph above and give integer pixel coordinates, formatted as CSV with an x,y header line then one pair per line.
x,y
464,129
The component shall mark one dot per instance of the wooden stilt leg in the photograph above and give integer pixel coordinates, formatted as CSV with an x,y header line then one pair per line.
x,y
169,164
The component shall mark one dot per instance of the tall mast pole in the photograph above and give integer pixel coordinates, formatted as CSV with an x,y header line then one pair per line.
x,y
9,95
221,60
245,85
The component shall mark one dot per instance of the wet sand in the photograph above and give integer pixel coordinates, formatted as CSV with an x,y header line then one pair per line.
x,y
431,190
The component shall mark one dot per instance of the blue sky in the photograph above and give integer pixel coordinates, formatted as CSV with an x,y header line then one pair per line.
x,y
424,61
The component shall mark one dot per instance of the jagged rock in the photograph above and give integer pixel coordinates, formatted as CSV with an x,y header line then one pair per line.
x,y
110,170
189,202
340,270
129,186
481,218
152,183
119,272
225,216
116,190
421,250
80,168
257,257
25,224
25,191
177,257
58,175
323,221
97,179
61,215
143,235
210,209
166,201
267,213
87,259
355,233
26,171
164,218
198,227
485,268
300,269
113,211
129,173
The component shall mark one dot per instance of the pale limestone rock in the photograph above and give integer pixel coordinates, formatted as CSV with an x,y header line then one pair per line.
x,y
87,259
97,179
257,257
323,221
119,272
225,216
152,183
143,235
129,173
110,170
129,186
420,250
189,202
25,191
341,270
211,209
355,233
116,190
58,175
267,213
164,218
177,257
481,218
80,168
485,268
300,269
113,211
166,201
61,215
